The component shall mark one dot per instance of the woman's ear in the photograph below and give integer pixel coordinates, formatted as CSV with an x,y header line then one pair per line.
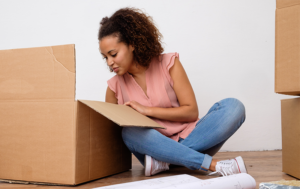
x,y
131,48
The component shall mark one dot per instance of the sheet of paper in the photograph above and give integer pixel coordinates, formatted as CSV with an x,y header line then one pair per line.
x,y
156,183
237,181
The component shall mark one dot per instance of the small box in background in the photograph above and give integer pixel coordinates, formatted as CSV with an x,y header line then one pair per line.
x,y
287,47
290,118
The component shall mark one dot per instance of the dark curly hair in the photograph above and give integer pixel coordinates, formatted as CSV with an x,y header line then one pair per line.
x,y
133,27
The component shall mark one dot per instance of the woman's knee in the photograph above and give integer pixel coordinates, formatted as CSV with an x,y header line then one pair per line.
x,y
136,133
128,132
235,107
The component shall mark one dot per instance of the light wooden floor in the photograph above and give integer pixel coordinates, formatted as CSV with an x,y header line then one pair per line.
x,y
262,165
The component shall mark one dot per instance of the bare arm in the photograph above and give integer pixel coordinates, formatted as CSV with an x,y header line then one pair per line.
x,y
110,96
188,109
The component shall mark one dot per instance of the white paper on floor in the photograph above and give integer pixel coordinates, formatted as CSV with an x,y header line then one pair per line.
x,y
237,181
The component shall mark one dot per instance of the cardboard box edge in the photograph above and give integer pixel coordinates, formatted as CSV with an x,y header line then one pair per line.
x,y
122,125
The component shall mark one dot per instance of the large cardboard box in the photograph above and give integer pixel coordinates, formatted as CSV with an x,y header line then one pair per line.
x,y
287,47
290,117
48,136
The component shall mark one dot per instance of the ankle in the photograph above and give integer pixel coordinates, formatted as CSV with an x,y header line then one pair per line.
x,y
213,164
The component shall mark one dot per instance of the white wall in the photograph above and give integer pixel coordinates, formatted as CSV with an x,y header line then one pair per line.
x,y
226,47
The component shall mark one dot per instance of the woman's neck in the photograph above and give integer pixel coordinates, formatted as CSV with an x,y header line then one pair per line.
x,y
137,71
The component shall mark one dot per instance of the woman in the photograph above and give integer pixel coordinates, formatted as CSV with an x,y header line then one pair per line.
x,y
157,86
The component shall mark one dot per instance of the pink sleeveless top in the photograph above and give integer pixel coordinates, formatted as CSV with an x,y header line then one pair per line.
x,y
159,90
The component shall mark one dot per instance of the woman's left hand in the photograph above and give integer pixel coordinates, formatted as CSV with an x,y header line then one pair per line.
x,y
138,107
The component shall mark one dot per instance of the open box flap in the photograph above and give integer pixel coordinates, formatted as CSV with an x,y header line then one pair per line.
x,y
121,114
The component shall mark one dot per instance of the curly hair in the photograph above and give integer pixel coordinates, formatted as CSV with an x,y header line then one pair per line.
x,y
133,27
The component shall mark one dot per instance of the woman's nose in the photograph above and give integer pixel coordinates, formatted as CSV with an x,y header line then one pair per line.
x,y
110,62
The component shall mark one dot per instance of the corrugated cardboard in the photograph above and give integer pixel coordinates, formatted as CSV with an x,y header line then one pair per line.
x,y
287,47
286,3
121,114
47,136
290,117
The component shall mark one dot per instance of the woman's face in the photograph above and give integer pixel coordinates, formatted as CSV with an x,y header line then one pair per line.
x,y
118,55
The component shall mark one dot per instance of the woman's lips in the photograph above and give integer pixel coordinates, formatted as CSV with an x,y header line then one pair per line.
x,y
116,69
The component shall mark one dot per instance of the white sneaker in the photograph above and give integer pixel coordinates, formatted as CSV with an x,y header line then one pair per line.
x,y
230,167
153,166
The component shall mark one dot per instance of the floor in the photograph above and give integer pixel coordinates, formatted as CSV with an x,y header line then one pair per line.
x,y
263,166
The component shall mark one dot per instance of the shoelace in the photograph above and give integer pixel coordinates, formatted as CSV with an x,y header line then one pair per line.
x,y
224,168
159,166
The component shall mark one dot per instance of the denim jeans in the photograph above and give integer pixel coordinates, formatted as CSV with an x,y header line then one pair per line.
x,y
195,152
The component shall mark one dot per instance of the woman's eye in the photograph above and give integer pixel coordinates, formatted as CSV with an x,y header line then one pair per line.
x,y
113,55
105,59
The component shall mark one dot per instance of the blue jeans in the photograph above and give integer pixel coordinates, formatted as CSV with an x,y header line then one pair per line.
x,y
195,152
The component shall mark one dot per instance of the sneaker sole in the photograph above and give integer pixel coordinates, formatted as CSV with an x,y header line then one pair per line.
x,y
241,164
148,163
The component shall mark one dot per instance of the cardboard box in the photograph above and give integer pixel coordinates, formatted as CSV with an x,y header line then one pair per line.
x,y
290,117
286,3
45,134
287,47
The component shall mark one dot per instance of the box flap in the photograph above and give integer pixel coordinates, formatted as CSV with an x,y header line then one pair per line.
x,y
121,114
41,73
286,3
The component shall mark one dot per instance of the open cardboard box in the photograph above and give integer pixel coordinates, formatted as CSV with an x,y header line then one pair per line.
x,y
287,47
46,136
290,118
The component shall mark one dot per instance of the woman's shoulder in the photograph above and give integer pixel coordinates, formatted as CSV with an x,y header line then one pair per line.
x,y
168,55
167,59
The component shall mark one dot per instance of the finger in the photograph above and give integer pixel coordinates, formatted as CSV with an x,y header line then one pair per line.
x,y
128,104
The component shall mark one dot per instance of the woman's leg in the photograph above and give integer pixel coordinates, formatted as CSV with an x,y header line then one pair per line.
x,y
141,141
222,120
